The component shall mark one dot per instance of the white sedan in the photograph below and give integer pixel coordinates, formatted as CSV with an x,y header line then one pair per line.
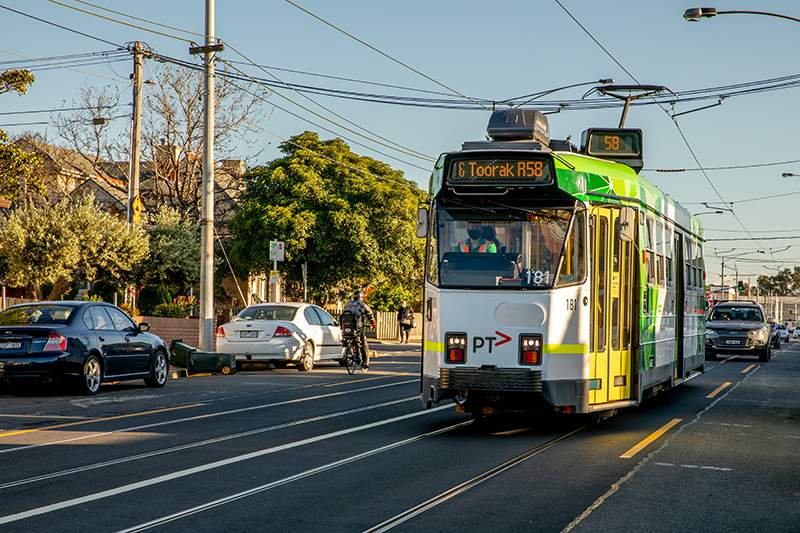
x,y
282,333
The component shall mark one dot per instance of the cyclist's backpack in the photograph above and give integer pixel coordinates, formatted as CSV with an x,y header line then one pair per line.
x,y
348,322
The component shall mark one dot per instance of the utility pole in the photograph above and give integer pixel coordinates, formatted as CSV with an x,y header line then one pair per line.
x,y
207,211
736,284
134,201
722,279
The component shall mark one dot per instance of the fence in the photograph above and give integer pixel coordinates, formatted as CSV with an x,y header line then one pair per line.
x,y
388,329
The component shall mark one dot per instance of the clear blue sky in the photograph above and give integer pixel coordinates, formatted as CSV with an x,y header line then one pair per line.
x,y
494,50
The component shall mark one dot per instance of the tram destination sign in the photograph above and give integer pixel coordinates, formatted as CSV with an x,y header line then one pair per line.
x,y
484,170
617,142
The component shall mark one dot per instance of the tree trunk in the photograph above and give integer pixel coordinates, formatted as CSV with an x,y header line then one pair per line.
x,y
60,288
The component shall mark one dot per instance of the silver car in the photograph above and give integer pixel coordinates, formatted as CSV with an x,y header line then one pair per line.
x,y
282,333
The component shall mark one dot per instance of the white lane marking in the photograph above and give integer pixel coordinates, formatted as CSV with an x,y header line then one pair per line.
x,y
7,519
728,425
273,484
698,467
627,477
197,444
202,417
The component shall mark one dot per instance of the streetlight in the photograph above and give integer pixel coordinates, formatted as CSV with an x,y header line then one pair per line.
x,y
722,267
708,213
694,14
790,175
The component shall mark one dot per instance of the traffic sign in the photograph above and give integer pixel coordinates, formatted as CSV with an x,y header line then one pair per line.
x,y
274,276
276,251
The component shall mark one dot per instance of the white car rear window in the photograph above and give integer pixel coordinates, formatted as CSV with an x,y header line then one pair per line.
x,y
267,312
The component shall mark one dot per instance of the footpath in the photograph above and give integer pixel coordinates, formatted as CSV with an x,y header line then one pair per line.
x,y
734,467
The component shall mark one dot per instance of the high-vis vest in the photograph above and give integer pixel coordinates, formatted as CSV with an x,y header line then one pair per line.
x,y
481,246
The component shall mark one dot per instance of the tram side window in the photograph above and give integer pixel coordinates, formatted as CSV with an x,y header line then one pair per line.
x,y
668,240
651,255
573,266
660,253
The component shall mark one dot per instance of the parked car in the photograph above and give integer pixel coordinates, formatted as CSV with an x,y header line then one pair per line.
x,y
783,331
775,335
84,343
739,328
282,333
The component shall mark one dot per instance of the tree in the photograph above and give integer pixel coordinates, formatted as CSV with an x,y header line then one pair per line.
x,y
66,243
18,168
171,140
352,218
173,264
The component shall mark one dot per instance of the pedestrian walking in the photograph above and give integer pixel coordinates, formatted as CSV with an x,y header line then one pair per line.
x,y
405,317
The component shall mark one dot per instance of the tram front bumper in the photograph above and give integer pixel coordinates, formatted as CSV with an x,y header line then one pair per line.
x,y
513,387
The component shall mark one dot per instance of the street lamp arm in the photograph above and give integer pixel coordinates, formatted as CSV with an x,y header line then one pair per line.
x,y
765,13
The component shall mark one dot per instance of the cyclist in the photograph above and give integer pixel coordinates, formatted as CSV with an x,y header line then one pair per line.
x,y
363,317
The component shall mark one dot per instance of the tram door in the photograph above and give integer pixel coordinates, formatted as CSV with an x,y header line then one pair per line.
x,y
612,292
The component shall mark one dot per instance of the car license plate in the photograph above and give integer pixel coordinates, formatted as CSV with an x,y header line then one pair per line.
x,y
731,342
248,334
10,345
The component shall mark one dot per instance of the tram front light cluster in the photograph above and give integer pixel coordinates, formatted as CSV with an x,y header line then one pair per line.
x,y
530,349
456,348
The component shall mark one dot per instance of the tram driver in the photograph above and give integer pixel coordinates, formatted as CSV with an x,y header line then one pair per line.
x,y
481,239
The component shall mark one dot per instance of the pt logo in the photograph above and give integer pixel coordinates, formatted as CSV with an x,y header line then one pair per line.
x,y
479,342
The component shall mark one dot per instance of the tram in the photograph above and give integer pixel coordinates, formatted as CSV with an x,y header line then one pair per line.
x,y
556,277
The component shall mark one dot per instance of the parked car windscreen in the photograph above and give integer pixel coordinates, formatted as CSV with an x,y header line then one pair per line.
x,y
747,314
267,312
25,315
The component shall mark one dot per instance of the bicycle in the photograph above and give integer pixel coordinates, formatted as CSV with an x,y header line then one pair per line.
x,y
352,354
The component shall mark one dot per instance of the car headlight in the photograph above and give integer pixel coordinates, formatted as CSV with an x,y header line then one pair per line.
x,y
759,335
711,333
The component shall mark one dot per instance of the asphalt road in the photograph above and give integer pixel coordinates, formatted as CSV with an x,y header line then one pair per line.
x,y
272,450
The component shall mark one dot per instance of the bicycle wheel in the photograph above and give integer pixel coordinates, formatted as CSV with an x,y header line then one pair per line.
x,y
350,360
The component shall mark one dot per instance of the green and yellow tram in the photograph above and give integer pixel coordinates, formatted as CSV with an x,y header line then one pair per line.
x,y
556,275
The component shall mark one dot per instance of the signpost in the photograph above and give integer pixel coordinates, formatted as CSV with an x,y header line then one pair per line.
x,y
304,266
276,253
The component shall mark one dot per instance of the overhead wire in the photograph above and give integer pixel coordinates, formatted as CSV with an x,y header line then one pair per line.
x,y
132,17
111,19
727,167
674,121
59,110
384,54
61,26
391,145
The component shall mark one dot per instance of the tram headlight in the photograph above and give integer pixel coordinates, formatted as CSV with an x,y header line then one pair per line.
x,y
530,349
455,348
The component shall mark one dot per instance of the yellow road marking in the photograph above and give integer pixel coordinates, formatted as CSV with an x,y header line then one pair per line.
x,y
650,438
719,389
748,369
200,375
103,419
46,417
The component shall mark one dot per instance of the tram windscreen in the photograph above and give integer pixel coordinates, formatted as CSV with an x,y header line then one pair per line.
x,y
515,249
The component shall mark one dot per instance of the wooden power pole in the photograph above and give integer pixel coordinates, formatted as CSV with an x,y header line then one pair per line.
x,y
134,200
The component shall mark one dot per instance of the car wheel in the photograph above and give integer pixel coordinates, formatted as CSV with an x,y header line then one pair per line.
x,y
765,355
91,377
159,372
307,359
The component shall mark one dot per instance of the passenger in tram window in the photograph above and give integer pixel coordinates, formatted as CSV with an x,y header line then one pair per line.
x,y
476,243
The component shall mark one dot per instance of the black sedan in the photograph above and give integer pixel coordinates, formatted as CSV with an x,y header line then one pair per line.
x,y
84,343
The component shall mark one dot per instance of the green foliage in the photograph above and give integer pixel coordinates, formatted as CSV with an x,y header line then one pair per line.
x,y
132,311
68,242
389,297
353,222
173,264
18,176
18,171
15,80
170,311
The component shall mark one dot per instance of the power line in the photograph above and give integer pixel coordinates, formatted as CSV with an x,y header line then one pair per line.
x,y
751,238
748,200
729,167
88,73
96,38
154,23
23,124
384,54
674,121
755,231
63,57
59,110
117,21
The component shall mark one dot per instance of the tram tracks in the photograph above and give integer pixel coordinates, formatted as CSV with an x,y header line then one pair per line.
x,y
465,486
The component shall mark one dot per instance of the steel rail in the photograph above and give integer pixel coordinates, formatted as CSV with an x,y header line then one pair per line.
x,y
461,488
